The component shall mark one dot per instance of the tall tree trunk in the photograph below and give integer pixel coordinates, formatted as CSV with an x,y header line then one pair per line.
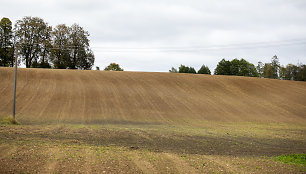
x,y
13,56
43,57
74,60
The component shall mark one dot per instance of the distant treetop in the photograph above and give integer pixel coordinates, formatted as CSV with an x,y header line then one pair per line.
x,y
236,67
113,67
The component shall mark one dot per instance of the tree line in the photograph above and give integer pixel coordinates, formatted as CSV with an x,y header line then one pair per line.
x,y
186,69
242,67
39,45
276,71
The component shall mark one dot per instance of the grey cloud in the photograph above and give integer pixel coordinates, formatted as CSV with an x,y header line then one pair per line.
x,y
176,23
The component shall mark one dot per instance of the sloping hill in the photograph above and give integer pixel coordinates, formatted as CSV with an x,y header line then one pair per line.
x,y
74,96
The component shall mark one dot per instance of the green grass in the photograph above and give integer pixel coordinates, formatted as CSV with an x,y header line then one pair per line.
x,y
9,121
293,159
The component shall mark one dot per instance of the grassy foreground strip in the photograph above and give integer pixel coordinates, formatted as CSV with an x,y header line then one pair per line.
x,y
293,158
9,121
205,147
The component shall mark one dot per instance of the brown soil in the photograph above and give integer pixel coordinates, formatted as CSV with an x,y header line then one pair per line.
x,y
72,96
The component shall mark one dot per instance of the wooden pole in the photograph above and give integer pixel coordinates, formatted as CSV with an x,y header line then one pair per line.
x,y
15,81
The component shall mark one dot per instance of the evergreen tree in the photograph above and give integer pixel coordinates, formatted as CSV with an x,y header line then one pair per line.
x,y
204,70
223,68
186,69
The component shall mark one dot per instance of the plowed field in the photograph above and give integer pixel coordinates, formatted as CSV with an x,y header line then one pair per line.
x,y
99,97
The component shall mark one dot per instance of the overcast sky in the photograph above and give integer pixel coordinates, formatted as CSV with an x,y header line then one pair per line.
x,y
154,35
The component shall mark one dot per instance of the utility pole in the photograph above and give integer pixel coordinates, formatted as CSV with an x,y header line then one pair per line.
x,y
15,80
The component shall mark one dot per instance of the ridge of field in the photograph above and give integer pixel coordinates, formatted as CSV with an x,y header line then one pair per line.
x,y
74,96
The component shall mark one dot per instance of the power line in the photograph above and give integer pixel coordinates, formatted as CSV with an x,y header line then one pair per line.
x,y
250,45
222,45
204,48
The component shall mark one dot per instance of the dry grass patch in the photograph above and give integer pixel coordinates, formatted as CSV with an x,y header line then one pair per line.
x,y
9,121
